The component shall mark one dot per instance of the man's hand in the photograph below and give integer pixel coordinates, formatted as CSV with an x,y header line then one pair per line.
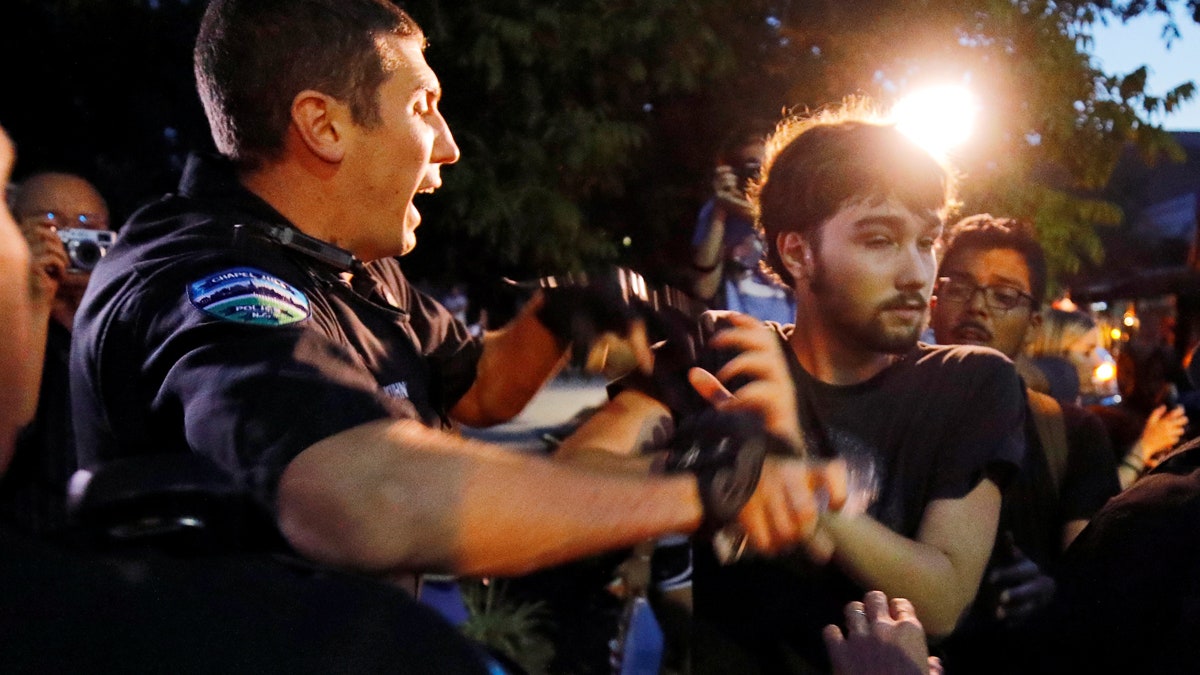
x,y
49,263
1162,431
756,380
784,510
1019,586
882,638
728,192
7,156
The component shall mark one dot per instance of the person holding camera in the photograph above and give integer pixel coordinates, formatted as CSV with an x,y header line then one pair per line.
x,y
726,248
65,222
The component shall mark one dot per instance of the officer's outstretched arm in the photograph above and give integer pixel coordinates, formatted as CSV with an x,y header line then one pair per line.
x,y
395,495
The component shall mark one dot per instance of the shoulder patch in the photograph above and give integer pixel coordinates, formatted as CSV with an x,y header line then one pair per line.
x,y
250,296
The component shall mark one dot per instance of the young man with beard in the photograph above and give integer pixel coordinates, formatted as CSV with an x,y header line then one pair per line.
x,y
991,284
852,211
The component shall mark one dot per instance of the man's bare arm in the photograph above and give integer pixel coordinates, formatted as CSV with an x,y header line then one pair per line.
x,y
940,571
620,435
517,361
394,496
1072,529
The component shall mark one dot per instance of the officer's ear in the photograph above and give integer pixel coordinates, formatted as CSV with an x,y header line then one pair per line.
x,y
796,254
319,120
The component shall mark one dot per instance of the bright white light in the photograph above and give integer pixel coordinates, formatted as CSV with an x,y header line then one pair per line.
x,y
937,118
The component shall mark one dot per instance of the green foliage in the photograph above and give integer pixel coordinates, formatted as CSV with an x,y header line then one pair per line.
x,y
588,121
512,629
584,121
549,104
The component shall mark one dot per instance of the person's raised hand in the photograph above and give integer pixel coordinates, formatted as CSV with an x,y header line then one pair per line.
x,y
49,262
728,191
1162,431
882,638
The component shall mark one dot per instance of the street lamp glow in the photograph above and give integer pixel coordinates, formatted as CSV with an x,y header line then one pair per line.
x,y
937,118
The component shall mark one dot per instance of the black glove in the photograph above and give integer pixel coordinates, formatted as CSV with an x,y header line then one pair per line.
x,y
725,451
578,313
680,344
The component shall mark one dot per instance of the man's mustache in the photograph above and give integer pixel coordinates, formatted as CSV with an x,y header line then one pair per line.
x,y
973,325
913,300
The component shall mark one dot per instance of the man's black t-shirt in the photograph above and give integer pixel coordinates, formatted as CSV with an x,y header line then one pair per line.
x,y
1036,506
934,424
201,333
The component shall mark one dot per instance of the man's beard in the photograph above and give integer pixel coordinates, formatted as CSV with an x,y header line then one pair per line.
x,y
872,335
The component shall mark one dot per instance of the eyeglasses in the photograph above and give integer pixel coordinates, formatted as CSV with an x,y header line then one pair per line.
x,y
62,220
999,297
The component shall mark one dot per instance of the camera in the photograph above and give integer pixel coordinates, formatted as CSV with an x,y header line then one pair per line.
x,y
85,248
747,172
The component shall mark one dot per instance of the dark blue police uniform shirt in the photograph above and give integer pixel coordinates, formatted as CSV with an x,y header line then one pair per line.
x,y
199,336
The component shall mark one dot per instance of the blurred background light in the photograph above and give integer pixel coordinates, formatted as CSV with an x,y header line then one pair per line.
x,y
938,118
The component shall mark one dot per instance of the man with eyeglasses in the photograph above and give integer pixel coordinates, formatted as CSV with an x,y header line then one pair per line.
x,y
991,284
47,207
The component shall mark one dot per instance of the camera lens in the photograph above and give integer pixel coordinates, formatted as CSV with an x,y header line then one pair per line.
x,y
84,254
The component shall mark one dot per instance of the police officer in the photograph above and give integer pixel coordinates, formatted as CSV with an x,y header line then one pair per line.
x,y
258,318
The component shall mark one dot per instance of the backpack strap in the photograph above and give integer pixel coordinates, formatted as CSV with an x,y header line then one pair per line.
x,y
1052,431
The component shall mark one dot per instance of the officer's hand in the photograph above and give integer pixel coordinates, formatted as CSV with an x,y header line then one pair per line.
x,y
753,490
757,380
726,452
784,512
598,323
728,192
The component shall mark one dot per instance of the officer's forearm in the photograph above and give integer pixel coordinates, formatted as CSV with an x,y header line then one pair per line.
x,y
391,496
517,361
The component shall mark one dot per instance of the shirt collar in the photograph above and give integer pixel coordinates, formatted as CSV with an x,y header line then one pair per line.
x,y
214,178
